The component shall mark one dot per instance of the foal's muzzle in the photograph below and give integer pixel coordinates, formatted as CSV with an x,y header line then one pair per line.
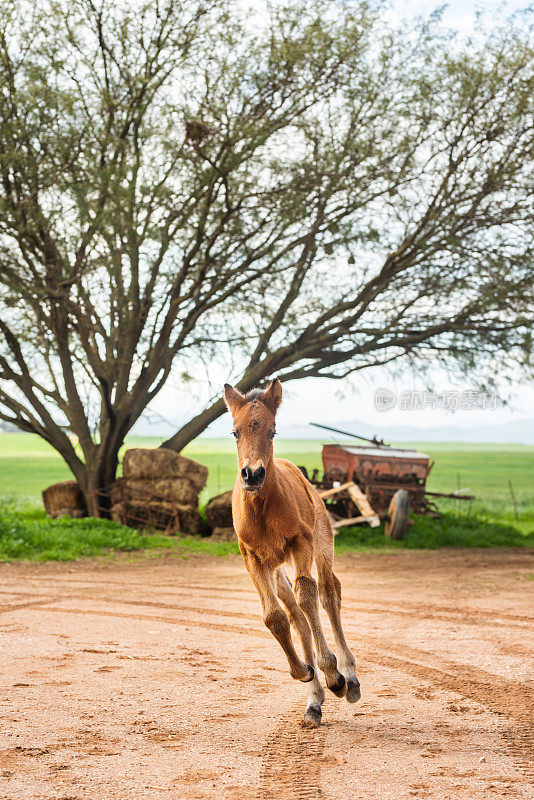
x,y
252,479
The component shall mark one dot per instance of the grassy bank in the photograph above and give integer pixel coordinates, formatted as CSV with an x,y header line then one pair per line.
x,y
29,535
431,534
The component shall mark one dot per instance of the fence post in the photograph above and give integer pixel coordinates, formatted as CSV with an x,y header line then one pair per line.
x,y
513,500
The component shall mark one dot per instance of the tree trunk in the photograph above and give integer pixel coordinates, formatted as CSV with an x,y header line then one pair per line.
x,y
94,485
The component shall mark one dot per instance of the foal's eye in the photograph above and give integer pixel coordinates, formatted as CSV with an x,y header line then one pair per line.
x,y
271,434
236,434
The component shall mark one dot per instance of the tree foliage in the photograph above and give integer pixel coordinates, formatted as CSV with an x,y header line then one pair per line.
x,y
308,193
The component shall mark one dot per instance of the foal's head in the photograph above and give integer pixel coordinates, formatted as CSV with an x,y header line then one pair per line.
x,y
254,429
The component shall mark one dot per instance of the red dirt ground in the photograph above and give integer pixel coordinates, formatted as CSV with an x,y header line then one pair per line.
x,y
145,679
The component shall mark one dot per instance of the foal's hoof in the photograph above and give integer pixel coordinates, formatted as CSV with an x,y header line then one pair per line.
x,y
353,690
339,687
312,717
310,676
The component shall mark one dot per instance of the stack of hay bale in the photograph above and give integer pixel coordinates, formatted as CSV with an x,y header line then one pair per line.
x,y
64,499
159,489
219,516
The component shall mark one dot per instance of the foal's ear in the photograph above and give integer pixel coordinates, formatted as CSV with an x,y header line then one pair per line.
x,y
232,397
273,395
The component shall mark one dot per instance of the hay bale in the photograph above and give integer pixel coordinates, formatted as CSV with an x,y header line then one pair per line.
x,y
117,513
154,516
64,498
168,504
147,463
116,491
219,511
168,490
171,518
190,520
223,535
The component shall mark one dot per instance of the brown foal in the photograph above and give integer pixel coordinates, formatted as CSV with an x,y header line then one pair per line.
x,y
279,517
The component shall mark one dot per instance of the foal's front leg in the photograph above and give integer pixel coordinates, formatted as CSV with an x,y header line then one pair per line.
x,y
330,595
275,617
307,598
313,713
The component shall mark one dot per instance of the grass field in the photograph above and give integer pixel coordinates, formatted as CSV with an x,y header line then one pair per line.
x,y
27,465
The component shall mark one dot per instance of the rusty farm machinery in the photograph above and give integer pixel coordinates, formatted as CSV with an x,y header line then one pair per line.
x,y
375,482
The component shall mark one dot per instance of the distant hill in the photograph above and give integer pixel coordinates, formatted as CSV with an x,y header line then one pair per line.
x,y
8,427
519,431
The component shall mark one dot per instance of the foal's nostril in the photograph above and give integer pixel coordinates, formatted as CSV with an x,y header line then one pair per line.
x,y
253,477
259,475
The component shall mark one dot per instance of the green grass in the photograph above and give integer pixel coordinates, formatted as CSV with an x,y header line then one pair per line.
x,y
428,533
27,465
29,535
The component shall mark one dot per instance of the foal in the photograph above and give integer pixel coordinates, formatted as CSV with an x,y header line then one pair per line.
x,y
278,517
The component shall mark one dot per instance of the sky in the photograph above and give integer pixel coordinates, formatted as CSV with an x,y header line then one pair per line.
x,y
360,399
459,14
406,403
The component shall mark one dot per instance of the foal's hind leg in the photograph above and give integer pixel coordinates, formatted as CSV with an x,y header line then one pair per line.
x,y
330,595
307,598
315,698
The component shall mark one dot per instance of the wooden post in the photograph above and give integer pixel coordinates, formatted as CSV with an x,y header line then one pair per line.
x,y
360,501
362,504
513,500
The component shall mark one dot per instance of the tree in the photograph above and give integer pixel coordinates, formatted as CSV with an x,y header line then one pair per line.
x,y
310,194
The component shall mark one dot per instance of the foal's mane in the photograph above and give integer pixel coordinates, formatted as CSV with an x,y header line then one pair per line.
x,y
254,394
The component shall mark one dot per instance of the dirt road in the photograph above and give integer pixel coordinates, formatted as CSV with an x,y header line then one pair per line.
x,y
156,679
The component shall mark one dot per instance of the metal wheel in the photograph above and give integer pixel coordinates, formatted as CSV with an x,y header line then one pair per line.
x,y
398,514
